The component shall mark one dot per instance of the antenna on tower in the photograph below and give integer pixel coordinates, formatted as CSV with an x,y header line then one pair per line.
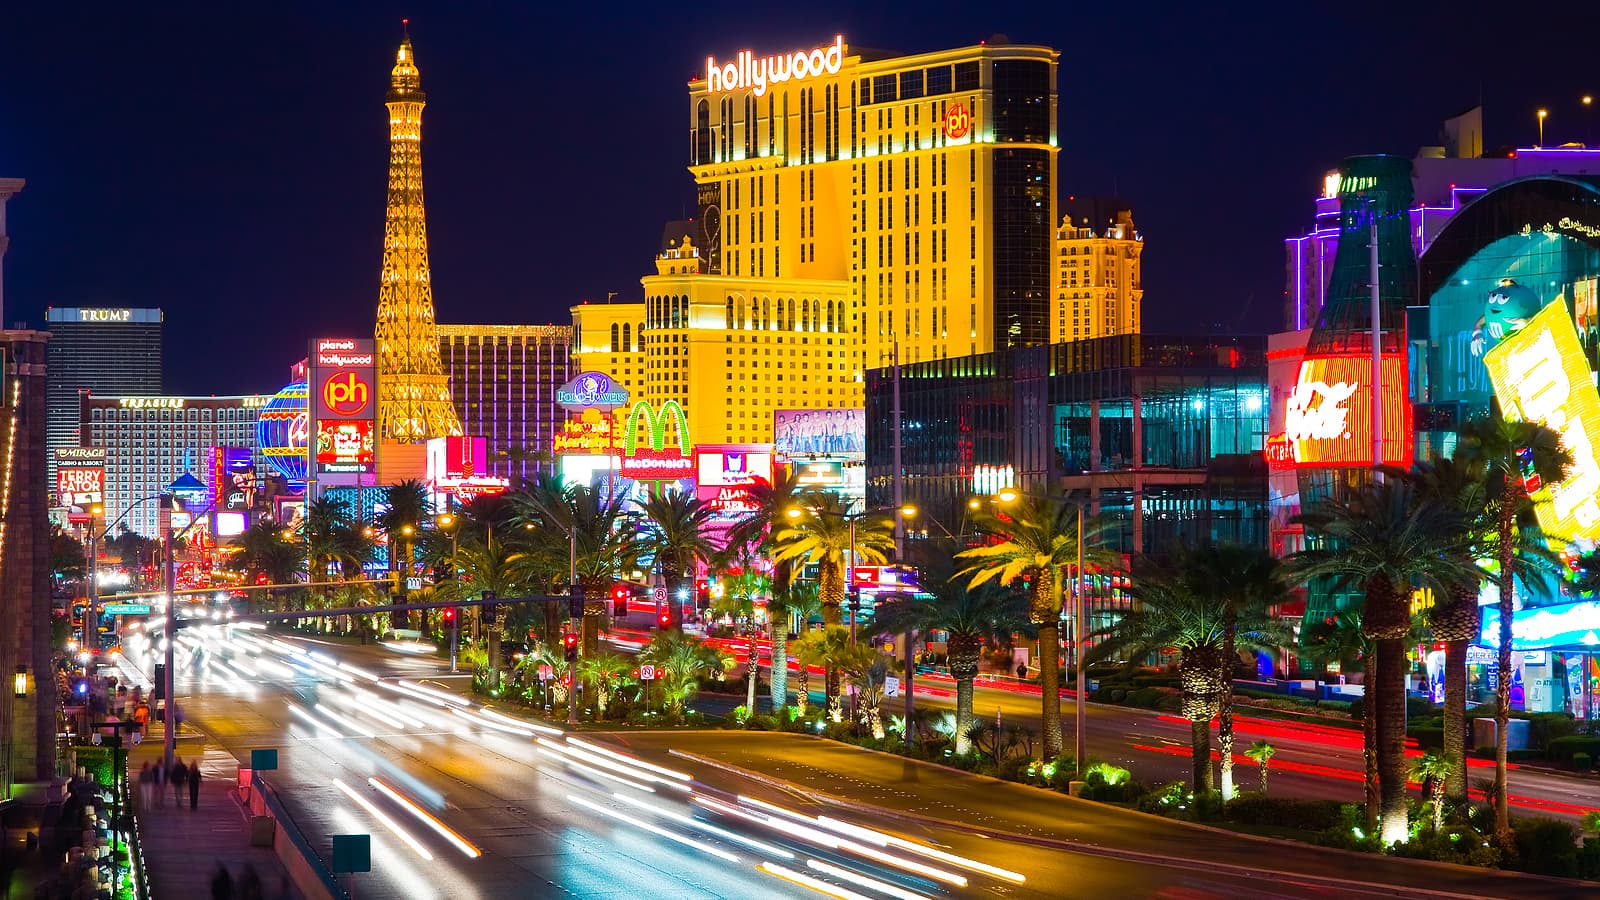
x,y
405,26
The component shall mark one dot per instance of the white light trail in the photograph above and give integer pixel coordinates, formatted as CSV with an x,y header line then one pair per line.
x,y
358,671
662,770
546,729
806,832
428,819
653,829
314,721
349,723
387,822
433,694
885,840
601,761
593,771
489,723
692,822
804,880
857,878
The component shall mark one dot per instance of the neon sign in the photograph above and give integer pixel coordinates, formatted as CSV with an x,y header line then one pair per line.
x,y
1540,375
105,315
345,394
1328,416
957,121
591,390
748,72
593,434
656,420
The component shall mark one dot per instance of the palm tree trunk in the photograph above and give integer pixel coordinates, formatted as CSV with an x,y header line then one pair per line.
x,y
494,654
1455,717
1050,687
752,671
1502,692
778,684
1225,711
1390,698
1369,743
831,578
802,698
674,602
964,653
1200,747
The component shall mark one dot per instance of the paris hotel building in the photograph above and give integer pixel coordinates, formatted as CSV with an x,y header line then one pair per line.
x,y
865,201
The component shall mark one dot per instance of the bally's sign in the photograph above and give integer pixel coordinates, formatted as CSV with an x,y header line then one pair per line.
x,y
756,74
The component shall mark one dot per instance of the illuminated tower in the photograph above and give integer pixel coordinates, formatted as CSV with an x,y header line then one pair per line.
x,y
413,391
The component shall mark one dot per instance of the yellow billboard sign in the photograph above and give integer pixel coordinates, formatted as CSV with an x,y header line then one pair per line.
x,y
1540,375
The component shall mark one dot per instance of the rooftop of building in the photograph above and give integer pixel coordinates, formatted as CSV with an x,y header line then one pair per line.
x,y
102,315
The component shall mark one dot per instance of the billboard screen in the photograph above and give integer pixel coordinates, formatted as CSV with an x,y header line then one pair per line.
x,y
344,446
1328,415
80,476
820,431
343,390
1540,375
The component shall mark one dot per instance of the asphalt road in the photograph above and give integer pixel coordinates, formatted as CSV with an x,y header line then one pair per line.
x,y
548,826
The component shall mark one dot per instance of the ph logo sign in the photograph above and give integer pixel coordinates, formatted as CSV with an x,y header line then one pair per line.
x,y
345,395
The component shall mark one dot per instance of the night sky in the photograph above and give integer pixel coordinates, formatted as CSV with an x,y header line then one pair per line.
x,y
226,162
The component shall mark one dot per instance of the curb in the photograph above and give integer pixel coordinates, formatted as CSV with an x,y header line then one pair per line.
x,y
1112,852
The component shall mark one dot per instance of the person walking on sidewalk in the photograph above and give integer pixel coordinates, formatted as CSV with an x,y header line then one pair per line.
x,y
178,776
194,784
146,782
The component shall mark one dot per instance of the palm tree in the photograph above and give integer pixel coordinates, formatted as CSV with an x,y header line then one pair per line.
x,y
1038,539
865,667
818,531
606,672
579,527
677,533
540,656
1249,583
1262,752
973,618
1340,638
493,567
1433,770
812,648
334,544
737,603
269,552
406,508
1172,614
770,502
798,601
681,660
1387,539
1506,451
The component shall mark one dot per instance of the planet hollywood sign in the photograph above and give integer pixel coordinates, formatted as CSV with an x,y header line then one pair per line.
x,y
342,353
748,72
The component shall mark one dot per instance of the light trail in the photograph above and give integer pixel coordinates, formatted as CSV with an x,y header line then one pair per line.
x,y
804,880
662,770
428,819
545,729
593,771
692,822
882,887
889,859
387,822
601,761
351,724
314,721
654,829
882,839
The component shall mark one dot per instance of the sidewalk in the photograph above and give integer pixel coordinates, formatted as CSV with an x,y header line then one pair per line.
x,y
182,847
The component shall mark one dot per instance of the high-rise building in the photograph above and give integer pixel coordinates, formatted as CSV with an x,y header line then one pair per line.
x,y
1099,291
111,352
504,380
413,392
730,350
150,441
926,183
9,187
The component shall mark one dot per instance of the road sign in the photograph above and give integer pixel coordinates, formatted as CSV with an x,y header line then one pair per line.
x,y
413,583
126,609
264,760
891,686
545,671
659,595
647,673
352,853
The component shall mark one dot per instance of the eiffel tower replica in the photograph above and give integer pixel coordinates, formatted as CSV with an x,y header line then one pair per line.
x,y
413,391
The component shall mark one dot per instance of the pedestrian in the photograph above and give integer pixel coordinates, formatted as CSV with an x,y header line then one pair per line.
x,y
194,784
1022,671
250,887
221,884
158,783
178,776
145,781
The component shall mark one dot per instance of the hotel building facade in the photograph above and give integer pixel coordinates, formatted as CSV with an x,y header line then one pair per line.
x,y
150,441
110,352
1099,290
503,381
855,203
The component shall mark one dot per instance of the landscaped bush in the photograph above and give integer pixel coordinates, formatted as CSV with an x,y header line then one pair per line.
x,y
1147,697
1561,749
1427,737
1546,727
1546,847
1582,761
1281,812
1458,844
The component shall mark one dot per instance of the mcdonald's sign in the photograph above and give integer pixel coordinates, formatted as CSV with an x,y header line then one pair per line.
x,y
656,420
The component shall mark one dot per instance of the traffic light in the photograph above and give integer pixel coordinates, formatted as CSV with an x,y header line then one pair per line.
x,y
619,600
663,617
702,597
491,610
575,601
449,615
569,640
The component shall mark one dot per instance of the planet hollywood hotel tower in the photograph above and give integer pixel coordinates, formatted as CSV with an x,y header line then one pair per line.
x,y
925,182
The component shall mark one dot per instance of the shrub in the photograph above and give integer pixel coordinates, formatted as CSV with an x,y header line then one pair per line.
x,y
1066,769
1281,812
1582,761
1458,844
1546,847
1147,697
1350,832
1546,727
1428,737
1014,768
1562,749
1110,784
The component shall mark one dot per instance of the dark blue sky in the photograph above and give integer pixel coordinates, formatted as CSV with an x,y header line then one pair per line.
x,y
226,161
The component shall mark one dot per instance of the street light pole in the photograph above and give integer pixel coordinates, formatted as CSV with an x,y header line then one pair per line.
x,y
1080,711
574,622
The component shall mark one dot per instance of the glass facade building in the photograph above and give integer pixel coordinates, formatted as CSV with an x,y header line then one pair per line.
x,y
111,352
1161,435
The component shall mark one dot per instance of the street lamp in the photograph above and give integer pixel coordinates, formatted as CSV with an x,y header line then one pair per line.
x,y
1542,114
1080,711
91,629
